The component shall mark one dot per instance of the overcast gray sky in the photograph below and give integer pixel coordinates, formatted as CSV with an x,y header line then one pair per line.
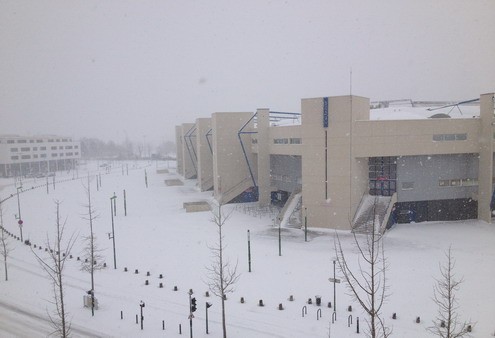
x,y
113,68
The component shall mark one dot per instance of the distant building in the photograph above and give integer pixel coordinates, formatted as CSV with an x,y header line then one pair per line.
x,y
37,155
339,162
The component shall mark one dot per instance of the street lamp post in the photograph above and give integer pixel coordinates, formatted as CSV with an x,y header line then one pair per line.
x,y
19,212
208,305
112,199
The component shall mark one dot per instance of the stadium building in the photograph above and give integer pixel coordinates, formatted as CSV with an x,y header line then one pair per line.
x,y
342,160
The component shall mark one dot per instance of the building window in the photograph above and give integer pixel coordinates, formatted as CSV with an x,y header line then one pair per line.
x,y
76,153
444,183
76,147
14,157
25,157
64,140
13,150
35,148
407,185
295,140
68,147
43,155
449,137
61,154
42,148
10,141
54,155
61,147
21,141
35,156
54,148
382,174
39,141
25,149
280,141
68,154
50,140
31,141
57,140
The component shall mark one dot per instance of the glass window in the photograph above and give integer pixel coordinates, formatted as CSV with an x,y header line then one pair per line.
x,y
14,157
13,150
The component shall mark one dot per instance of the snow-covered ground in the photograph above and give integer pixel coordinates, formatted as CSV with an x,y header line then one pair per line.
x,y
158,236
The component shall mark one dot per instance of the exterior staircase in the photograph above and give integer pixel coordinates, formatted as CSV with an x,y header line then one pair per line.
x,y
371,214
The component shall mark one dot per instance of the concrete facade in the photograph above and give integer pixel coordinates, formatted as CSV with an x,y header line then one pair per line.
x,y
336,155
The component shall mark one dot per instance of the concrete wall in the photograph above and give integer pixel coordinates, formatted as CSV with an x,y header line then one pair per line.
x,y
189,160
486,149
333,180
205,156
179,144
230,172
263,156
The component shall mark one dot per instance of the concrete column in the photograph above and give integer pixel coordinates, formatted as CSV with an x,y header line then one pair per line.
x,y
205,156
485,175
179,150
188,159
263,137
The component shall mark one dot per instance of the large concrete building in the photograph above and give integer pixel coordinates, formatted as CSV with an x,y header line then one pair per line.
x,y
339,161
22,155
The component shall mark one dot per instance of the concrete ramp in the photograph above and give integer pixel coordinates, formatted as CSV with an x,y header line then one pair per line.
x,y
370,214
196,206
173,182
289,208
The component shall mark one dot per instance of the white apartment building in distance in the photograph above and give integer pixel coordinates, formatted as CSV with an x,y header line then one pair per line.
x,y
37,155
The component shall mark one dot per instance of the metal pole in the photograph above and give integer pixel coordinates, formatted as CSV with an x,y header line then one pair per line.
x,y
142,317
249,251
19,211
190,316
305,224
113,234
114,205
146,178
334,297
125,205
47,192
279,240
207,316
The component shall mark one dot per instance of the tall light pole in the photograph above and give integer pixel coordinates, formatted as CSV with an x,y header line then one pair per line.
x,y
141,304
19,212
112,199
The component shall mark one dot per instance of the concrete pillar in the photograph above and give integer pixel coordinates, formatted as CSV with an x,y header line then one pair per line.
x,y
263,137
205,156
485,175
188,152
179,150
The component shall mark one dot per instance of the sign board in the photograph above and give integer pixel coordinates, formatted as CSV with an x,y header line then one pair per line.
x,y
325,112
334,280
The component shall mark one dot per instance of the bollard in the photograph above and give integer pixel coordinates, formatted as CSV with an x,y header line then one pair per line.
x,y
175,288
310,301
207,294
85,260
357,324
78,258
242,300
161,276
349,308
280,306
442,323
161,285
329,305
136,319
163,325
105,265
125,269
394,315
469,328
146,282
70,256
180,328
34,246
291,298
418,320
136,271
318,300
224,297
121,314
148,273
260,303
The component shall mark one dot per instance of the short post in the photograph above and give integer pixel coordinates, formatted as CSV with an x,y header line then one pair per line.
x,y
121,314
180,328
125,205
249,250
357,324
146,178
47,185
141,304
208,305
305,224
163,325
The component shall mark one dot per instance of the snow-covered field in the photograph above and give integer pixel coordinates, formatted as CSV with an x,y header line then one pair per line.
x,y
158,236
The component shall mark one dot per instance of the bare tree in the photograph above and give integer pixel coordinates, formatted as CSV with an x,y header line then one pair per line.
x,y
221,274
5,248
54,265
367,285
447,323
93,259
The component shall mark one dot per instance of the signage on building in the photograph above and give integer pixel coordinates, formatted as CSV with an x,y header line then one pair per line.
x,y
325,112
